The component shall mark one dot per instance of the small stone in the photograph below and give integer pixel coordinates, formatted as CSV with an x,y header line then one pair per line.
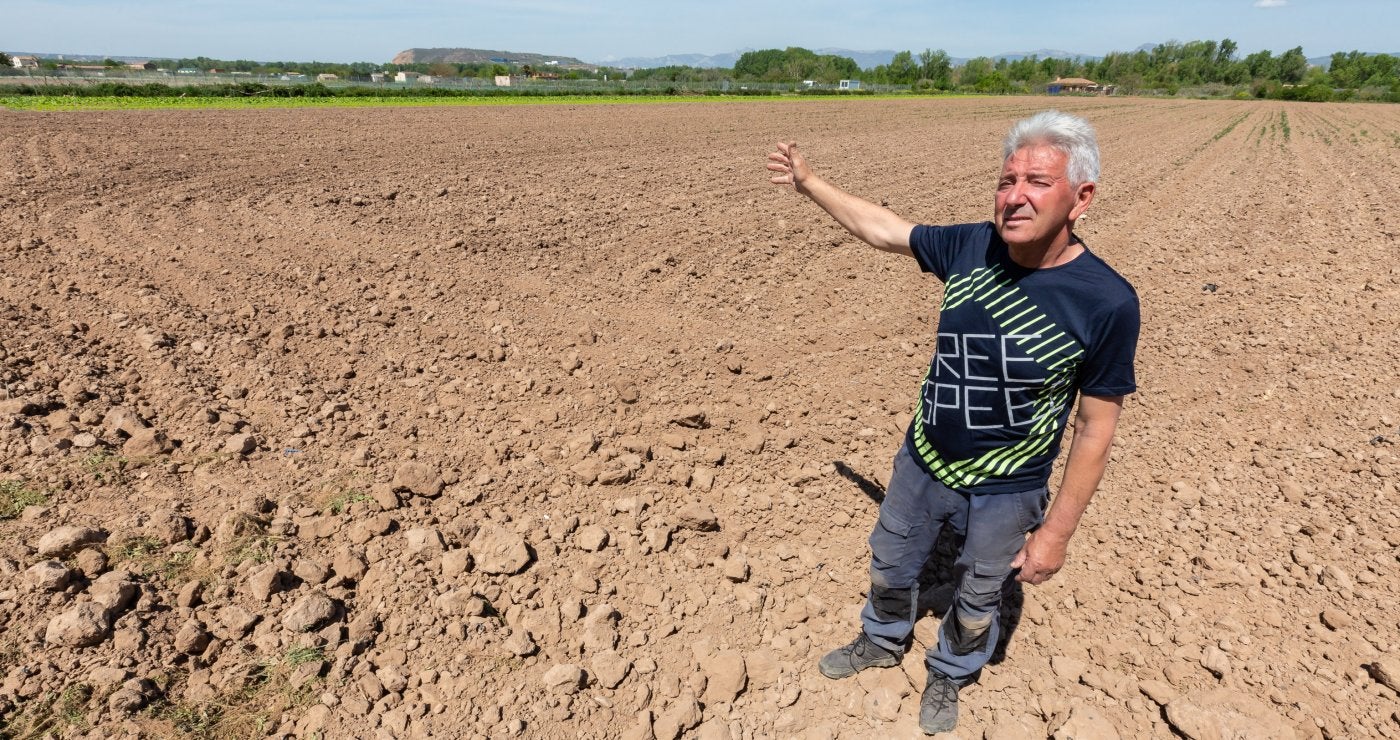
x,y
122,421
882,704
419,479
610,668
691,416
641,728
423,543
591,538
84,625
64,541
49,575
192,638
697,516
310,613
240,444
349,564
190,595
91,561
1337,579
725,676
736,569
1216,661
116,591
1086,723
1386,671
1159,692
1067,668
456,562
520,644
147,443
565,678
107,677
498,551
1226,713
237,620
126,701
683,714
1335,619
267,580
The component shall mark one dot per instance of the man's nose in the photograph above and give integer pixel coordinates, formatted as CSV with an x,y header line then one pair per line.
x,y
1016,195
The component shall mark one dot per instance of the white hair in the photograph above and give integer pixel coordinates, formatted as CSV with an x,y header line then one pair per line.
x,y
1067,133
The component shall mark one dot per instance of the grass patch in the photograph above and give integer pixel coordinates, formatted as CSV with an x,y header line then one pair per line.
x,y
342,499
107,468
267,691
302,655
258,548
15,497
148,556
1283,120
55,715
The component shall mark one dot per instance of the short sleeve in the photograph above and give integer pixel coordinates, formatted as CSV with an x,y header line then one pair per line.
x,y
936,247
1108,368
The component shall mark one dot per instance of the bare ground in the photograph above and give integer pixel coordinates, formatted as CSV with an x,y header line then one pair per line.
x,y
560,422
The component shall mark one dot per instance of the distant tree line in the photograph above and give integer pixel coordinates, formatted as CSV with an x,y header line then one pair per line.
x,y
1195,67
1210,67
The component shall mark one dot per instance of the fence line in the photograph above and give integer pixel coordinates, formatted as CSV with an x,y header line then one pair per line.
x,y
81,77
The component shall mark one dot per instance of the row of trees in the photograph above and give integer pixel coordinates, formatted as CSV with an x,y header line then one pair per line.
x,y
1215,67
794,64
1168,67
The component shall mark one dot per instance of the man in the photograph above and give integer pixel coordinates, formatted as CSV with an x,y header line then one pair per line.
x,y
1030,318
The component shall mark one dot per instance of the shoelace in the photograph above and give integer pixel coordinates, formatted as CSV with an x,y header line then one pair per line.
x,y
946,692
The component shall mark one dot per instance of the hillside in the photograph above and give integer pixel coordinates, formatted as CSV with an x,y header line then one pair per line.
x,y
482,56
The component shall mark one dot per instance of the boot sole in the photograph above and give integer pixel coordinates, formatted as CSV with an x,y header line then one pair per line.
x,y
839,674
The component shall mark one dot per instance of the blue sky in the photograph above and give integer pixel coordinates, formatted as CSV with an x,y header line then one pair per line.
x,y
600,30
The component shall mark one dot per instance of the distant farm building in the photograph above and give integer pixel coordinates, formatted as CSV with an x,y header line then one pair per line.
x,y
849,84
1078,85
407,77
327,77
376,77
24,62
142,66
502,80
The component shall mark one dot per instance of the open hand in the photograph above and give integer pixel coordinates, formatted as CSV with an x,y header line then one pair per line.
x,y
789,166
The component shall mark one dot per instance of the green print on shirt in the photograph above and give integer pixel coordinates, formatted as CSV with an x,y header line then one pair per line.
x,y
1056,353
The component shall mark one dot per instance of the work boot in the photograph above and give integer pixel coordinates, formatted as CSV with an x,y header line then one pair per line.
x,y
856,657
938,709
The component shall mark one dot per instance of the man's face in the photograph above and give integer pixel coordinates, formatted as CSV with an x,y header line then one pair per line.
x,y
1035,203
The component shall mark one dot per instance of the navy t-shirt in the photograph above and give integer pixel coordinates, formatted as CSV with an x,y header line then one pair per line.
x,y
1014,346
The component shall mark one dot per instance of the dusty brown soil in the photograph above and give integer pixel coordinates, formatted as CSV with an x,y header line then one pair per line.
x,y
561,422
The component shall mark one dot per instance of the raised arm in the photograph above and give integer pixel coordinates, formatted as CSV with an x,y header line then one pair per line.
x,y
875,225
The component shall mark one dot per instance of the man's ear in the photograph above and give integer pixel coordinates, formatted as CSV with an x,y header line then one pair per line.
x,y
1083,196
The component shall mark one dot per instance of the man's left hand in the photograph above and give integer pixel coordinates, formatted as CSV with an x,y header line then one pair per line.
x,y
1040,558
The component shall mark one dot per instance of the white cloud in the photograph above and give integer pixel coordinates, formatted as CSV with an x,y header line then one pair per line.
x,y
1270,3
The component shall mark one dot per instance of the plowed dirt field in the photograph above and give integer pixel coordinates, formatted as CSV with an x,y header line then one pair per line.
x,y
560,421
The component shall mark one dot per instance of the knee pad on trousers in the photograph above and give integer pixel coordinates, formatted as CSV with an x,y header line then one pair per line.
x,y
964,639
892,604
